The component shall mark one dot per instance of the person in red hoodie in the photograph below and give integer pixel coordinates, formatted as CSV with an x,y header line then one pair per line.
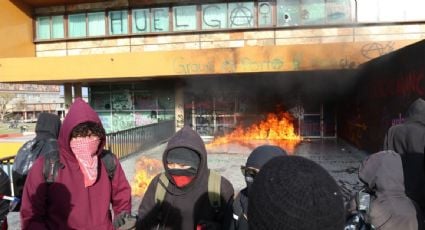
x,y
82,192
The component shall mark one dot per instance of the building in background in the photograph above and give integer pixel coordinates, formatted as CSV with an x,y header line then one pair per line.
x,y
213,65
25,101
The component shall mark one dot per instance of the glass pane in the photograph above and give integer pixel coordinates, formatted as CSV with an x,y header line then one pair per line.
x,y
146,118
43,28
265,13
414,10
122,100
288,12
96,23
57,27
184,18
145,101
160,20
141,21
313,12
338,11
118,22
367,11
241,15
391,10
77,25
106,121
214,16
122,121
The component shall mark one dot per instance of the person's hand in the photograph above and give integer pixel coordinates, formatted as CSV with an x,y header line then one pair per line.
x,y
125,221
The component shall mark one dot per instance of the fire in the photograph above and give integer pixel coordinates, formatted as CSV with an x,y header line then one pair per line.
x,y
146,170
277,129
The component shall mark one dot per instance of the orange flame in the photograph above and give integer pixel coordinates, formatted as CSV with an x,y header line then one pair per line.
x,y
146,170
277,128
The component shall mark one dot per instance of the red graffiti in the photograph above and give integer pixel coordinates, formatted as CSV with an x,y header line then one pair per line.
x,y
404,86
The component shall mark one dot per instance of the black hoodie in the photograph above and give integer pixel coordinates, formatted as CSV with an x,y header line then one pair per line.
x,y
185,208
408,137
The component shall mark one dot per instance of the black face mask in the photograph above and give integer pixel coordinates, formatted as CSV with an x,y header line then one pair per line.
x,y
182,172
249,174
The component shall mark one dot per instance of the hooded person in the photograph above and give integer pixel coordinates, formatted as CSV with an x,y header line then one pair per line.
x,y
408,137
390,207
4,204
82,193
47,131
258,157
295,193
186,203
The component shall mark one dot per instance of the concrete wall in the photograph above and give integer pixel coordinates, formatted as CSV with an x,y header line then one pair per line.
x,y
385,89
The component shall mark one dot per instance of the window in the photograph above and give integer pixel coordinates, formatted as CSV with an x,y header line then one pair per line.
x,y
214,16
184,18
265,13
96,23
118,22
241,15
160,20
338,11
77,25
49,27
141,21
288,12
313,12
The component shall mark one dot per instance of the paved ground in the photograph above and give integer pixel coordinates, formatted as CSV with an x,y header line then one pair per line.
x,y
339,158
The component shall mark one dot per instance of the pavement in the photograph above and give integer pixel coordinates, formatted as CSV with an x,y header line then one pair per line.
x,y
338,157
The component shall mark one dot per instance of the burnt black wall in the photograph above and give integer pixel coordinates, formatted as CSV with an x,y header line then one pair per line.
x,y
386,87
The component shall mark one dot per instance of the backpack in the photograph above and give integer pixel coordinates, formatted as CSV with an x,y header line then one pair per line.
x,y
26,156
52,165
214,187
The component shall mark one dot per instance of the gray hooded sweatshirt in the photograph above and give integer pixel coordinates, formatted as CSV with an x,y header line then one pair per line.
x,y
390,208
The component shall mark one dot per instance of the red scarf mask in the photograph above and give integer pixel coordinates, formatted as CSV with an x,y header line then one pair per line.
x,y
85,149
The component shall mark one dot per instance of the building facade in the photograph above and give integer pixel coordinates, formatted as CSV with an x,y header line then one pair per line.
x,y
210,64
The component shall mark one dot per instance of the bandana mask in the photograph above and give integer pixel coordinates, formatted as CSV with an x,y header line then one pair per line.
x,y
84,149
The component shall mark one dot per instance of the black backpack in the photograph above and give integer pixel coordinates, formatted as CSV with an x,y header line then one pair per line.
x,y
52,165
26,157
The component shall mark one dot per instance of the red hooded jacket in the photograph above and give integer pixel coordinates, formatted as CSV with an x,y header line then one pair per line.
x,y
66,203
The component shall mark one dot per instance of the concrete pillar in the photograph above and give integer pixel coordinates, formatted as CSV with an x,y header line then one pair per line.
x,y
78,90
67,96
179,106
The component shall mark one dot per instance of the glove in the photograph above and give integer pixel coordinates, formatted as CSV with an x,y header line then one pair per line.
x,y
124,221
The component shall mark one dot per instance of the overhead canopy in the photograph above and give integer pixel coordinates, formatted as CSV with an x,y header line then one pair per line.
x,y
110,67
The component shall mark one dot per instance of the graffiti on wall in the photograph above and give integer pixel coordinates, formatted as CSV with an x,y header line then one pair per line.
x,y
122,100
409,84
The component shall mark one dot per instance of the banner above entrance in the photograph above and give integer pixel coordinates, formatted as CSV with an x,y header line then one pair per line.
x,y
112,67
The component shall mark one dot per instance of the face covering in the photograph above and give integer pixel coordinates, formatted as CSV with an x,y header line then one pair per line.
x,y
85,149
182,177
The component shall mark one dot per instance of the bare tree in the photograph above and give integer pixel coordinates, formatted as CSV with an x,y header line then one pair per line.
x,y
5,101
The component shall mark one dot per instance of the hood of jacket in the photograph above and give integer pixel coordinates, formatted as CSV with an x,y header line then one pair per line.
x,y
416,111
78,113
383,173
188,138
48,126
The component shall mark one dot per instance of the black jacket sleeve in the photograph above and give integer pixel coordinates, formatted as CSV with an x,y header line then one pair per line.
x,y
148,210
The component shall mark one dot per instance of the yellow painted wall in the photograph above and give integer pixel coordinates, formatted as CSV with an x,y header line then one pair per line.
x,y
8,149
16,30
87,68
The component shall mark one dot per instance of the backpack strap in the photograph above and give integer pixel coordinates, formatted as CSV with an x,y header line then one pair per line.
x,y
214,188
51,166
108,160
160,188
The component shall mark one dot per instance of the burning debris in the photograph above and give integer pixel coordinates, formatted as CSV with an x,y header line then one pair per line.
x,y
146,170
277,129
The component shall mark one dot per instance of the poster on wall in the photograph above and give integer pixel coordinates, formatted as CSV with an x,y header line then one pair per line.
x,y
100,101
122,121
122,100
144,101
145,118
